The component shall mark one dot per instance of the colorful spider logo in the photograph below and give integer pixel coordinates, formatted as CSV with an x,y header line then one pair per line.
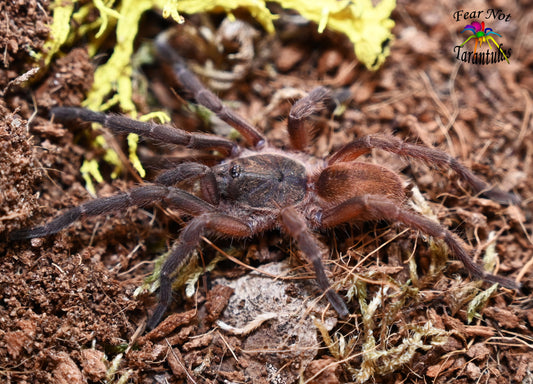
x,y
482,34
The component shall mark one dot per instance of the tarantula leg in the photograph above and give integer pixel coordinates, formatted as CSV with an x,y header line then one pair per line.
x,y
430,156
184,171
297,228
205,97
163,133
302,109
377,207
137,197
187,242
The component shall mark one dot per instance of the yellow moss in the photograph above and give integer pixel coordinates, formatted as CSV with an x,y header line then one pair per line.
x,y
133,141
105,13
163,117
257,9
89,171
170,9
367,27
115,74
59,29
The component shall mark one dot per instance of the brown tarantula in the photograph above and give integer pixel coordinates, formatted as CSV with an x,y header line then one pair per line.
x,y
260,187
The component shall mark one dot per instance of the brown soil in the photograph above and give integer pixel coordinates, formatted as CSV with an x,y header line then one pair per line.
x,y
67,304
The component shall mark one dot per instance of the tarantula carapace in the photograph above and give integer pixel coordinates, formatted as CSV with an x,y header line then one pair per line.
x,y
260,187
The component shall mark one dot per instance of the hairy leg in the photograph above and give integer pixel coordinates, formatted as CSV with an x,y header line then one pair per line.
x,y
376,207
184,171
296,227
430,156
187,242
163,133
205,97
302,109
140,196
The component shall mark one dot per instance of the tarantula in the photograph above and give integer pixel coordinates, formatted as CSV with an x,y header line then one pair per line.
x,y
261,187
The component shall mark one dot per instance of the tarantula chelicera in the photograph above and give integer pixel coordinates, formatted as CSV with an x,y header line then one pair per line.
x,y
261,187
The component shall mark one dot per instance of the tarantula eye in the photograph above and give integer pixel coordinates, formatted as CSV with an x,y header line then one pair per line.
x,y
235,171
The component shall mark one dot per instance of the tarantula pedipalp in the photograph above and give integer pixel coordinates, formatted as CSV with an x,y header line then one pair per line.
x,y
262,187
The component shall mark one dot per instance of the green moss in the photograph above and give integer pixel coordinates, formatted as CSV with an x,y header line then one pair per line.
x,y
479,302
371,351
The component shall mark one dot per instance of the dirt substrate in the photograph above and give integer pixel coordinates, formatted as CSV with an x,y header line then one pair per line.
x,y
69,311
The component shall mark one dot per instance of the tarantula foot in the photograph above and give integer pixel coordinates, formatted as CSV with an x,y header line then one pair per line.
x,y
337,303
156,317
48,229
502,197
503,281
22,234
